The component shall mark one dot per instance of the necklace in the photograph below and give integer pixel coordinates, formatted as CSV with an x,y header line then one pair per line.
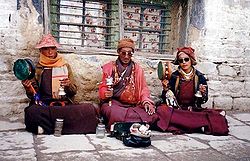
x,y
187,76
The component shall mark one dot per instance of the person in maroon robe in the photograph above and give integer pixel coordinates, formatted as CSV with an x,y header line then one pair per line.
x,y
123,93
190,89
54,74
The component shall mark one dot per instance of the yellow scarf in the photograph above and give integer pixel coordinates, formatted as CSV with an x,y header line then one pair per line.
x,y
48,62
59,71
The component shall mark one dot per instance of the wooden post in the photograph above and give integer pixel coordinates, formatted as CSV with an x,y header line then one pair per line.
x,y
46,17
121,20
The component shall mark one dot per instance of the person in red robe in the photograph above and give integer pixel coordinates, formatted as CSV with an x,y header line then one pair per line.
x,y
123,93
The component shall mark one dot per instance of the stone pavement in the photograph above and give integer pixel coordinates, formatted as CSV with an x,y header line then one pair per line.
x,y
17,144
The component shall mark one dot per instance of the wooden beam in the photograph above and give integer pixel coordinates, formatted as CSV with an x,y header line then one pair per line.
x,y
46,17
121,19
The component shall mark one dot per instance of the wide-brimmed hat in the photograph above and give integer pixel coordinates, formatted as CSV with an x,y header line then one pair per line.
x,y
126,43
187,50
47,41
24,69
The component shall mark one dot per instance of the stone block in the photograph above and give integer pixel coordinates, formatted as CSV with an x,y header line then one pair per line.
x,y
247,88
4,21
241,103
12,108
234,88
245,71
11,89
215,88
3,66
207,68
225,70
223,102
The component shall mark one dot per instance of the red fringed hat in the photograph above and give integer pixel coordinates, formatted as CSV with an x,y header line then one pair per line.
x,y
187,50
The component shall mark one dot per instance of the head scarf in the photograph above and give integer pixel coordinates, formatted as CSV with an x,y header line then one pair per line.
x,y
187,50
126,43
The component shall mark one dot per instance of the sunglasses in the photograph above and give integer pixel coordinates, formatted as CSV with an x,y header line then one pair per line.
x,y
124,53
183,60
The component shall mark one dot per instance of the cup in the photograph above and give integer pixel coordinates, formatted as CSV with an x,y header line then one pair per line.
x,y
58,127
100,131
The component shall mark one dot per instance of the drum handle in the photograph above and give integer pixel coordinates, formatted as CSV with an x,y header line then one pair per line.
x,y
33,90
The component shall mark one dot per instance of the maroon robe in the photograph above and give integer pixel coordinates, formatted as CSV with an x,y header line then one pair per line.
x,y
119,112
78,118
182,120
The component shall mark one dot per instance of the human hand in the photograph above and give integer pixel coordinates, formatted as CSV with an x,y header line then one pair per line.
x,y
26,83
150,109
165,84
65,82
202,89
28,86
108,93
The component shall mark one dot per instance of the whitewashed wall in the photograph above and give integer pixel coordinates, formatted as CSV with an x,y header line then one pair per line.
x,y
19,32
223,48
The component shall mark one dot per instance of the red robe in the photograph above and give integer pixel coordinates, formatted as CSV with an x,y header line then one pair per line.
x,y
120,112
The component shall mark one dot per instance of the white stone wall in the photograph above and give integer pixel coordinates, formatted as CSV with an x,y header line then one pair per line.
x,y
222,46
19,32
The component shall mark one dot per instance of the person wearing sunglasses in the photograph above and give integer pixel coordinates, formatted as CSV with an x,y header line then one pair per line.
x,y
190,89
123,92
186,82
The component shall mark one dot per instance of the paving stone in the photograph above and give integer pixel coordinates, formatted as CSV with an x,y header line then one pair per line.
x,y
202,155
243,116
158,133
140,154
15,140
232,148
178,143
71,156
244,159
241,132
107,143
20,155
233,122
208,137
6,125
19,145
52,144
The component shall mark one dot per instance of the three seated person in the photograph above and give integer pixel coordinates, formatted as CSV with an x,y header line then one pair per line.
x,y
124,95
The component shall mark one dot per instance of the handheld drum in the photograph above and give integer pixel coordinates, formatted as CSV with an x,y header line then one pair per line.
x,y
25,69
164,70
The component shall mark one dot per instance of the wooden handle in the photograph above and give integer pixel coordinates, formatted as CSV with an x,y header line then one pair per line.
x,y
33,90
